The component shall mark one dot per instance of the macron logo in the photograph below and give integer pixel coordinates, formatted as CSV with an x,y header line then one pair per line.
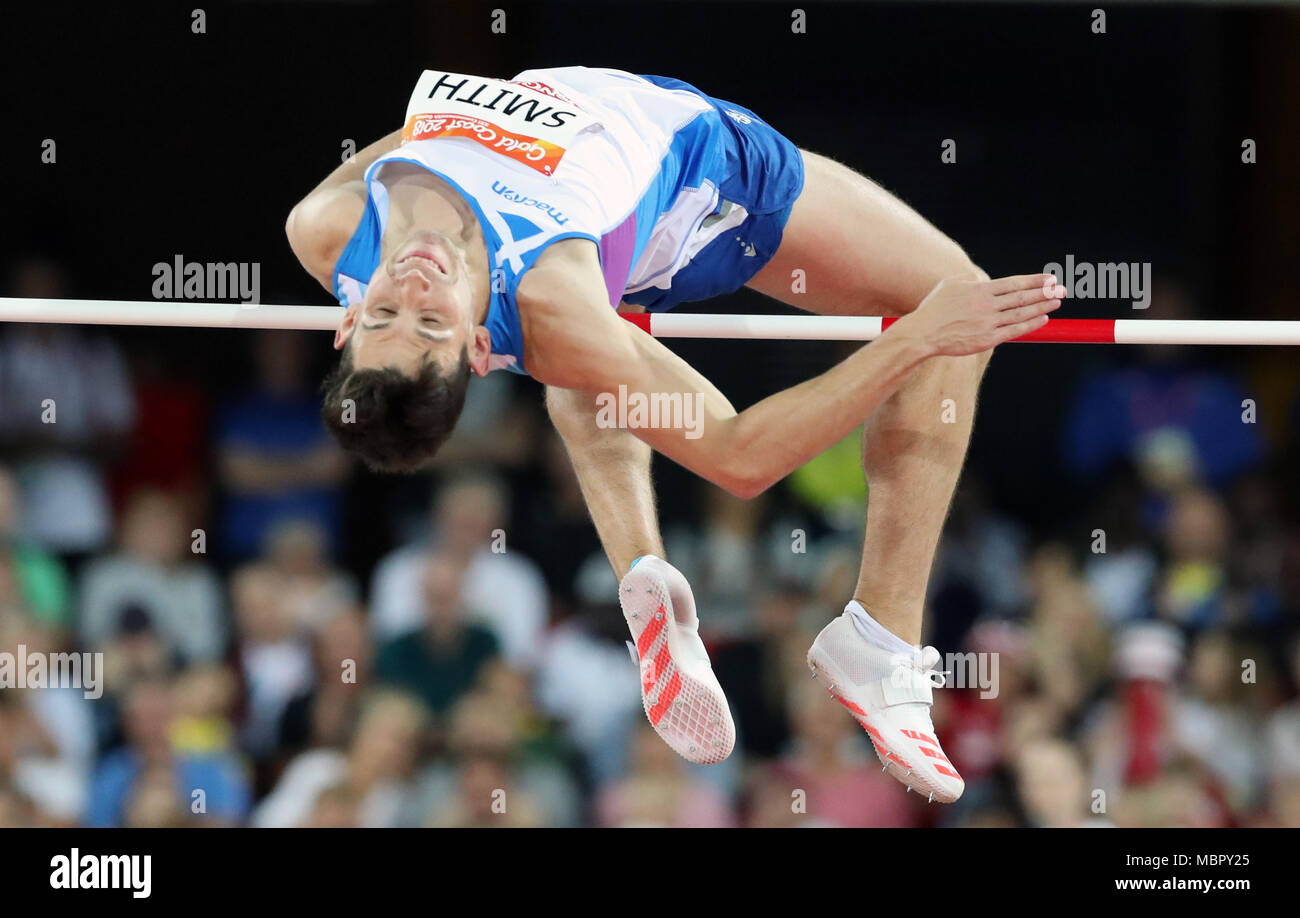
x,y
525,201
103,871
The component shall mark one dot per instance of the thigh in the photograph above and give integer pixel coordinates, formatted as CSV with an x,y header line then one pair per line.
x,y
862,251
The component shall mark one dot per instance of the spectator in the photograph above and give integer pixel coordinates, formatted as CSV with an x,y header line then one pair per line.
x,y
978,571
324,714
1069,647
441,661
68,406
1282,808
1053,785
369,783
499,775
1177,421
830,772
1122,567
53,732
312,589
976,725
153,803
155,572
1193,586
32,581
585,679
273,652
1211,726
660,791
275,458
336,807
1283,731
167,447
1181,796
208,789
205,697
503,590
16,810
135,653
724,557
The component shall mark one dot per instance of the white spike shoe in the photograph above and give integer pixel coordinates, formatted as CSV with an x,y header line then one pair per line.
x,y
679,692
890,695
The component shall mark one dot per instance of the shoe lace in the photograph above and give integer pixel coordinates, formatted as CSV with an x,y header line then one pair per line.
x,y
925,664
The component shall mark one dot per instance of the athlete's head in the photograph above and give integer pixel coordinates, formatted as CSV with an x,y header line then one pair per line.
x,y
408,350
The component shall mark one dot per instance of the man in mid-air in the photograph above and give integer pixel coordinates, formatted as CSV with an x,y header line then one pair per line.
x,y
504,225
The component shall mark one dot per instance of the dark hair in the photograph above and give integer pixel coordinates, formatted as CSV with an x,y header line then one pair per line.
x,y
396,423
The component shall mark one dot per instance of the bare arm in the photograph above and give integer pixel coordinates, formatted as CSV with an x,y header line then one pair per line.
x,y
613,470
748,452
320,225
589,348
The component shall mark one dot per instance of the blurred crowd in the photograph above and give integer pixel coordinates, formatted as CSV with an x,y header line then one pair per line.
x,y
289,641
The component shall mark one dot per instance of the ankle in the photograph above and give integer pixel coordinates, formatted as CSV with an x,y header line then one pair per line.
x,y
875,631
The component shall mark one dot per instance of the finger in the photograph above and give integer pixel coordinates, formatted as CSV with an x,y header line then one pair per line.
x,y
1026,297
1010,332
1015,282
1025,313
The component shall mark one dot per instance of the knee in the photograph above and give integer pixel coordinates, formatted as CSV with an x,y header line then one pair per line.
x,y
573,413
964,268
954,265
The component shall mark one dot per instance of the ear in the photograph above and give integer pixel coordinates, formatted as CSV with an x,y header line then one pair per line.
x,y
479,349
344,331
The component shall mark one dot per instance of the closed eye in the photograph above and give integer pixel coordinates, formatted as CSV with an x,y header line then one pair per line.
x,y
437,334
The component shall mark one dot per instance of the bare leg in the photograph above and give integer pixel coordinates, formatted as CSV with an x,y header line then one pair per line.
x,y
864,252
613,469
912,460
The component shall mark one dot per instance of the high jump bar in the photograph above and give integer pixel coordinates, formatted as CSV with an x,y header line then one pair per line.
x,y
660,325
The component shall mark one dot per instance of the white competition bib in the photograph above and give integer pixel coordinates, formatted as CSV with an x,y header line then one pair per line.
x,y
528,122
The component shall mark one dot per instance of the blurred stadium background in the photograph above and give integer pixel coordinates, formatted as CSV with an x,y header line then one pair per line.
x,y
1119,672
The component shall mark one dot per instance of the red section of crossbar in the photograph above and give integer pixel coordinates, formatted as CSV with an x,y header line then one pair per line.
x,y
1064,331
640,319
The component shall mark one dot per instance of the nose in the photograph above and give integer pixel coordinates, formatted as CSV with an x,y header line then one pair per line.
x,y
405,273
412,285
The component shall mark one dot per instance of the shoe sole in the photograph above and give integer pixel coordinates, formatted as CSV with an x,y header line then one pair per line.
x,y
679,693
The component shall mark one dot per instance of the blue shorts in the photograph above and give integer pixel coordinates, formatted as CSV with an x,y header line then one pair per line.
x,y
760,170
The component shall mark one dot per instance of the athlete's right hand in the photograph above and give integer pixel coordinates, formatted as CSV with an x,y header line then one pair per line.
x,y
962,317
